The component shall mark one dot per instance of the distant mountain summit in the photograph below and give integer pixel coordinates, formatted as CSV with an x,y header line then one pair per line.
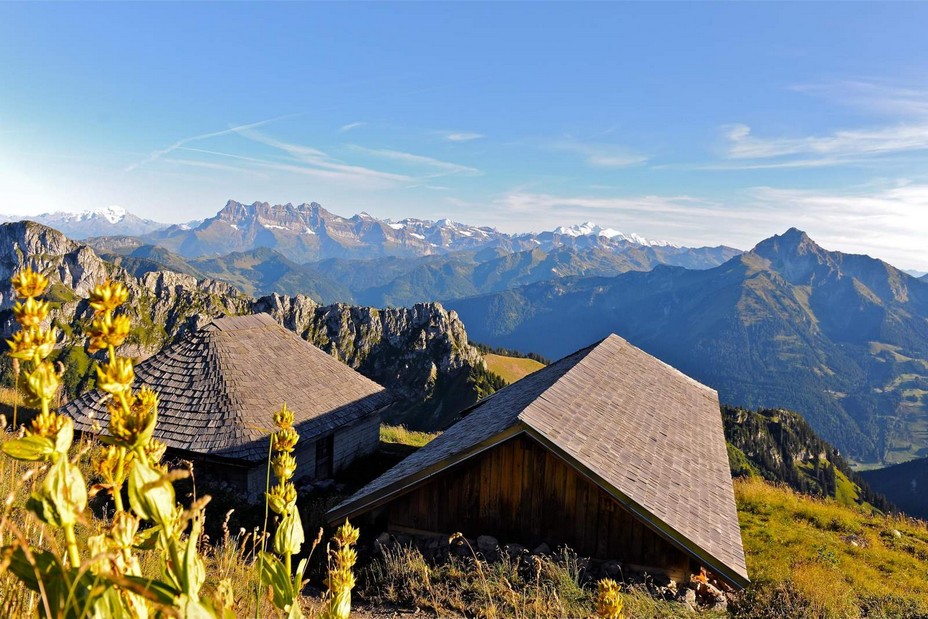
x,y
591,229
107,221
841,338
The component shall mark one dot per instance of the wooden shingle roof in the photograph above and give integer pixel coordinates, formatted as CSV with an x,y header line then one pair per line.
x,y
219,386
648,434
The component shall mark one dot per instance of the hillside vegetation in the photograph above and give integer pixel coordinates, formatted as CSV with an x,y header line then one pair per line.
x,y
779,446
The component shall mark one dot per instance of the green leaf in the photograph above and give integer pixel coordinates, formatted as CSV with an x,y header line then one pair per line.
x,y
62,497
46,564
153,590
65,437
298,576
147,539
193,571
289,536
151,493
271,571
29,448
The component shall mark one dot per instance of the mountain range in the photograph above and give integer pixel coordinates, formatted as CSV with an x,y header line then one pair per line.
x,y
113,220
841,338
421,353
396,281
309,233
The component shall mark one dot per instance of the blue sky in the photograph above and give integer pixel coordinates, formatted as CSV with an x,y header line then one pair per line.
x,y
697,123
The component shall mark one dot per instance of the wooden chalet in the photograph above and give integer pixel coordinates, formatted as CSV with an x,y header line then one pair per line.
x,y
609,451
219,386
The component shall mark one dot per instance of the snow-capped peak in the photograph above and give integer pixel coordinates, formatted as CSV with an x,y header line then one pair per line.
x,y
591,229
113,214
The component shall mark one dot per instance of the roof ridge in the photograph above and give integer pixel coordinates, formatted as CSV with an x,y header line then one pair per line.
x,y
582,353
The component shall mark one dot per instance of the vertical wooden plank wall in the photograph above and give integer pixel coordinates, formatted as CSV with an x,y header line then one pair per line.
x,y
520,492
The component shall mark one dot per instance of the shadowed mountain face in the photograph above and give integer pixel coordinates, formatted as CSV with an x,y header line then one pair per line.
x,y
400,281
841,338
905,485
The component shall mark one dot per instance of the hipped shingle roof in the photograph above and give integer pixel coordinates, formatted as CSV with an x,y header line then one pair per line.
x,y
219,386
647,433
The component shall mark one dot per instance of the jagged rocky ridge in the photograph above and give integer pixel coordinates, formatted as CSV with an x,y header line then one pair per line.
x,y
413,351
309,233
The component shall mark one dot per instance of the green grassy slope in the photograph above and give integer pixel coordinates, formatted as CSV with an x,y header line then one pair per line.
x,y
511,369
812,557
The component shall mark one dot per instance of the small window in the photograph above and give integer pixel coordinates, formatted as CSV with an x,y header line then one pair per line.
x,y
324,448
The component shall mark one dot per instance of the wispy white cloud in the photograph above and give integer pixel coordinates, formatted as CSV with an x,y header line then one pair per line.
x,y
445,167
318,163
828,149
601,154
888,222
154,156
462,136
351,126
211,165
872,95
907,133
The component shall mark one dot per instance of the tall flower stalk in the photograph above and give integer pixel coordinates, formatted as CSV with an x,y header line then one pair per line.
x,y
341,581
276,570
109,582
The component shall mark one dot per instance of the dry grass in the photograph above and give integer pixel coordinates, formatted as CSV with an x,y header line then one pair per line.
x,y
527,587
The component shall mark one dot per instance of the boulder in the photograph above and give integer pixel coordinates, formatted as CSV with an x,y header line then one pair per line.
x,y
487,544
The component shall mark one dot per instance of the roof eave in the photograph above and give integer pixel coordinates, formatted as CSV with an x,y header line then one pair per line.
x,y
679,540
386,494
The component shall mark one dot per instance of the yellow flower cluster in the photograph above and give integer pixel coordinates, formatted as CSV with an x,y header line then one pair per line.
x,y
47,425
609,604
29,284
116,376
108,331
282,497
34,343
132,419
341,579
284,465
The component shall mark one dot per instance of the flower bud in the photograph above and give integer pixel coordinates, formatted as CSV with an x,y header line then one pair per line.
x,y
27,283
284,466
31,313
116,376
108,296
283,418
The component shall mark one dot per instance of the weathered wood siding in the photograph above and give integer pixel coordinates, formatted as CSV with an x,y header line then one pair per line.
x,y
356,440
521,492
